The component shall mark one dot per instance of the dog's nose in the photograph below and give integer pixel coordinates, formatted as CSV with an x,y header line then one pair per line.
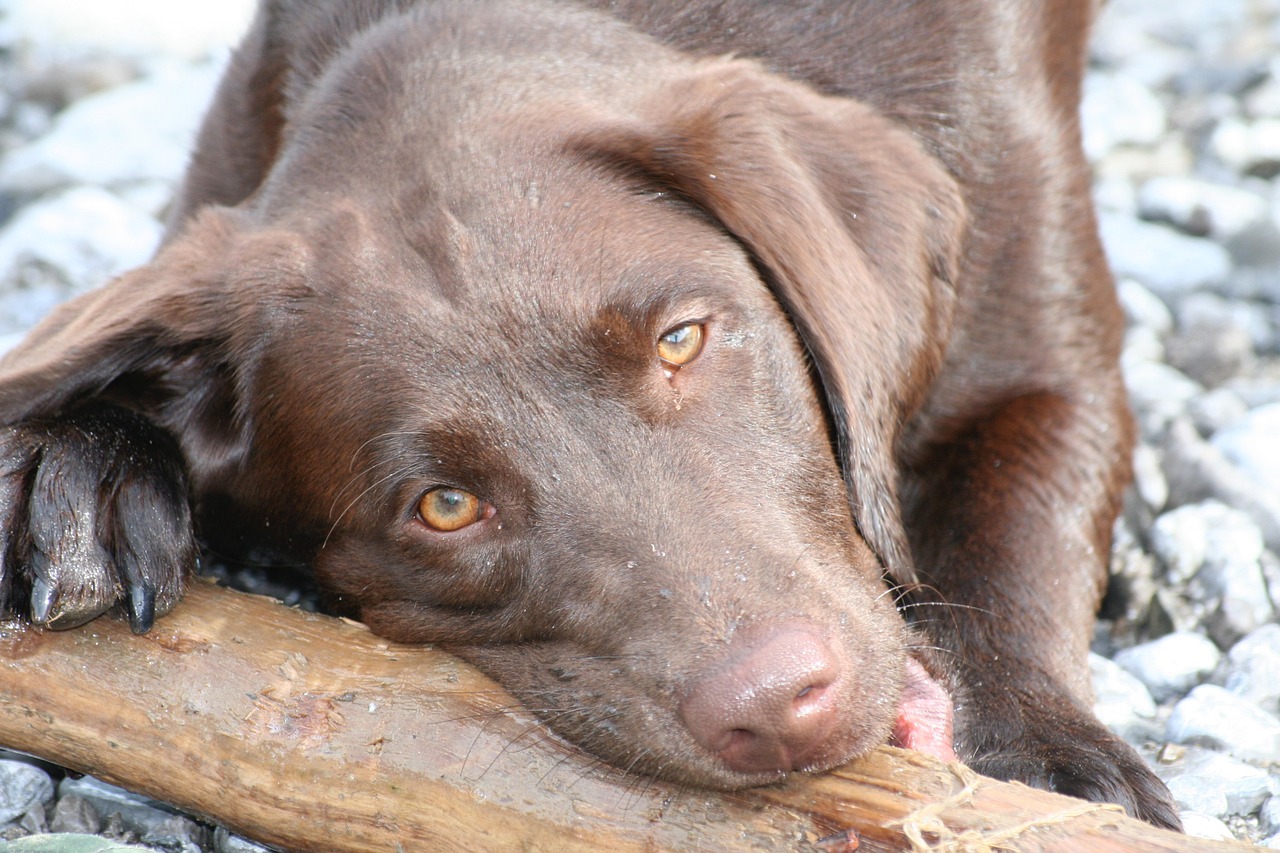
x,y
771,707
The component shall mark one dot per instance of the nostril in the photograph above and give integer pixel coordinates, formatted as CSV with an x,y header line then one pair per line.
x,y
770,706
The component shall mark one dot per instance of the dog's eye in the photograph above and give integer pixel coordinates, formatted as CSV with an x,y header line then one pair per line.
x,y
448,510
681,345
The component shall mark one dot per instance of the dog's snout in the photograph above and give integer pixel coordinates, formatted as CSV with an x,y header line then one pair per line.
x,y
771,707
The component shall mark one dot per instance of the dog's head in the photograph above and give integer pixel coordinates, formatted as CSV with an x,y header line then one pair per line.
x,y
593,379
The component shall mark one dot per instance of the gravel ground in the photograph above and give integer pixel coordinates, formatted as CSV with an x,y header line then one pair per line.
x,y
1182,119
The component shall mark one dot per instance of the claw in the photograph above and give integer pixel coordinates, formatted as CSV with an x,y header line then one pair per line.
x,y
42,596
142,608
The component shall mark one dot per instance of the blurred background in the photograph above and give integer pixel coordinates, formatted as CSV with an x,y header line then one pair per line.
x,y
99,100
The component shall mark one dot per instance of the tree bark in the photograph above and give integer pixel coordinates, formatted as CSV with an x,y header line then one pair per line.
x,y
311,734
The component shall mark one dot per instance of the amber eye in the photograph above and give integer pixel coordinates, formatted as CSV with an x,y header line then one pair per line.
x,y
682,344
448,510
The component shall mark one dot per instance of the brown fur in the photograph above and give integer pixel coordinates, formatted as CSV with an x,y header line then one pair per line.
x,y
434,243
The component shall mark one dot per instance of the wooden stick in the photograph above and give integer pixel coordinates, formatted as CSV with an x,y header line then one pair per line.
x,y
311,734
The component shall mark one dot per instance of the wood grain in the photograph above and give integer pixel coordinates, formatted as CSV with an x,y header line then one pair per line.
x,y
310,733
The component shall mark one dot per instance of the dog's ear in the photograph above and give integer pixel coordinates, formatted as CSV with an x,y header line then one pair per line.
x,y
855,228
169,340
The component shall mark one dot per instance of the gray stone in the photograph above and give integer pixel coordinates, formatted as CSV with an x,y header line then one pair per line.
x,y
1160,394
1170,263
72,241
147,27
1269,815
1238,592
1209,310
74,813
1213,410
1171,665
1202,208
1196,471
177,834
1148,477
140,151
1251,147
135,813
224,841
1118,110
1252,444
1217,718
1212,352
1251,668
1216,784
1122,702
1144,308
1142,344
22,787
1199,825
1190,536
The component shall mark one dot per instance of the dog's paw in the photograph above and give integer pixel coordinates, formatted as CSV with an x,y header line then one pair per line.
x,y
94,516
1071,753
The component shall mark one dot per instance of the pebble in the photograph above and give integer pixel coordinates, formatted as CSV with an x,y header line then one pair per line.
x,y
1215,717
1269,815
1197,470
1215,784
1123,703
63,245
1143,308
22,787
1119,110
1169,263
137,814
1251,669
140,152
1204,209
1199,825
1172,664
1252,443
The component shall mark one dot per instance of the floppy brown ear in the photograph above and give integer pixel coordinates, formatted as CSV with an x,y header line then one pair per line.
x,y
161,340
855,227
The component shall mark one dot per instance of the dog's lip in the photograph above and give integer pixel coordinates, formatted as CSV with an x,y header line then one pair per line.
x,y
925,715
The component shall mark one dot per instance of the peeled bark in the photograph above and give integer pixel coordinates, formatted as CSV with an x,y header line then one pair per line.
x,y
310,733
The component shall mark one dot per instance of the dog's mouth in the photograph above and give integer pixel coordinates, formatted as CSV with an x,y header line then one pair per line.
x,y
924,721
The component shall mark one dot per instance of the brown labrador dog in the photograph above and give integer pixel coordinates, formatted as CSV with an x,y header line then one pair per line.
x,y
735,381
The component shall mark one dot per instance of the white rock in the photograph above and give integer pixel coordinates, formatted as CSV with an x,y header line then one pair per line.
x,y
1180,538
1118,110
1252,669
1199,825
136,26
1213,410
1172,664
85,235
1246,146
1197,470
1212,783
1199,206
1122,702
153,144
1240,597
1217,718
1144,308
1148,477
1169,263
1269,815
1208,310
22,787
1253,443
1159,393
